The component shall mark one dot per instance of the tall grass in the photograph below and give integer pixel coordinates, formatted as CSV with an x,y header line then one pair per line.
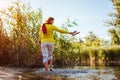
x,y
21,45
90,56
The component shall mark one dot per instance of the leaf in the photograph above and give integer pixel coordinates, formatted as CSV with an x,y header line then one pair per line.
x,y
69,25
75,23
68,20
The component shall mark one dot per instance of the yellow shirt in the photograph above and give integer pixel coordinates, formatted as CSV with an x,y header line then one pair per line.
x,y
48,36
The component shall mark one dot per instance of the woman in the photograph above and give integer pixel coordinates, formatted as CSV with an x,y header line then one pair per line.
x,y
47,41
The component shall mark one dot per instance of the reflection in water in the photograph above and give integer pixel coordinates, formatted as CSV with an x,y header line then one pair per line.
x,y
76,73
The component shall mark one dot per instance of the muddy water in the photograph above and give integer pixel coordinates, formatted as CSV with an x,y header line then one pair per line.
x,y
74,73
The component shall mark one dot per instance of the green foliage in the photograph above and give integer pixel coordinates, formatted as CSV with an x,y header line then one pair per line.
x,y
92,40
115,37
115,23
87,56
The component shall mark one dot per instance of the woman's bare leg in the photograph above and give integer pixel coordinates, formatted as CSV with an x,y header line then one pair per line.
x,y
50,63
46,66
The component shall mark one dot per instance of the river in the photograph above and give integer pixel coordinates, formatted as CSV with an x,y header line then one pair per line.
x,y
71,73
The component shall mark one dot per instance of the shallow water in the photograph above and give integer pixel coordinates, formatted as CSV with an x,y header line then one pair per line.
x,y
74,73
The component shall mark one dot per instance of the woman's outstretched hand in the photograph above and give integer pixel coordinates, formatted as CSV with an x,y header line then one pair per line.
x,y
74,33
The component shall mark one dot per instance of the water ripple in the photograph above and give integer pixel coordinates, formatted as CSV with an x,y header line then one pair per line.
x,y
79,74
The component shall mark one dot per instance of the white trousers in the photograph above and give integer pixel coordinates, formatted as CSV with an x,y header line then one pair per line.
x,y
47,50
